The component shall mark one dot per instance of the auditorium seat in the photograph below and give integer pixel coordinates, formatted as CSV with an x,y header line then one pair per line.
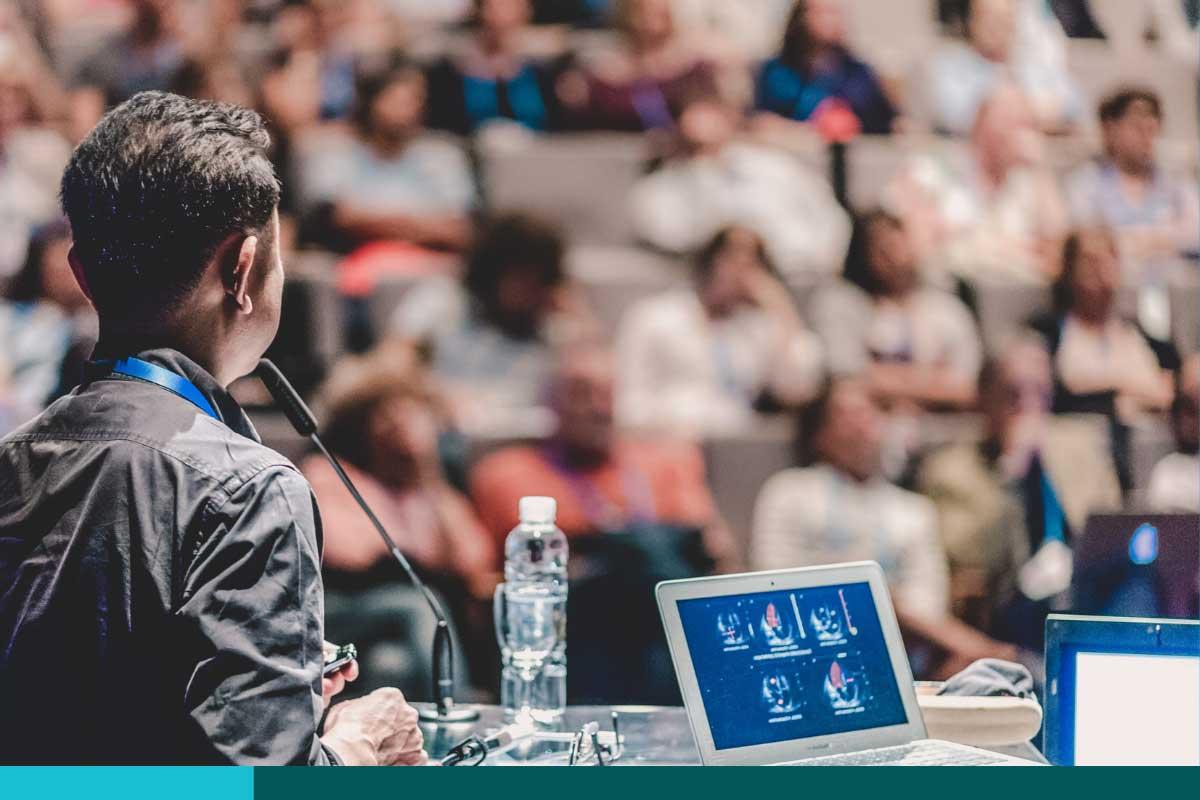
x,y
892,36
1185,312
614,278
872,161
582,181
738,466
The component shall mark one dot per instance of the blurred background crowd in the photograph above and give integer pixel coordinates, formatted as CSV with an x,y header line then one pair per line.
x,y
752,284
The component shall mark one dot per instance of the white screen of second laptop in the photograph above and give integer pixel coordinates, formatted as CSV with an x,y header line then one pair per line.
x,y
1137,709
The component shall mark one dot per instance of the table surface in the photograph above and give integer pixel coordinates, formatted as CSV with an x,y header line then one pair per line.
x,y
654,735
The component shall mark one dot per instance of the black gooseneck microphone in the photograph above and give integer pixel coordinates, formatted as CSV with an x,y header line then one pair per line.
x,y
444,711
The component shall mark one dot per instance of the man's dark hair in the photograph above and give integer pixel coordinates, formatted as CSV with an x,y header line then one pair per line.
x,y
153,191
1114,106
514,241
857,267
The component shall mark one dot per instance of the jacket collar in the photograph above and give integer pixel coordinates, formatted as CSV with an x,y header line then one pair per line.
x,y
228,409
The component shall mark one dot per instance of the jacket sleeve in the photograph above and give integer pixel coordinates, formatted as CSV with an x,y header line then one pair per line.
x,y
252,615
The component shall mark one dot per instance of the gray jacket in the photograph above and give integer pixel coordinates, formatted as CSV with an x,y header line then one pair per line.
x,y
160,586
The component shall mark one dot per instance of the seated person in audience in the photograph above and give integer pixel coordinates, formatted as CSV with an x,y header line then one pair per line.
x,y
840,508
1102,362
491,76
389,181
914,345
1156,216
640,84
47,326
815,71
990,212
146,55
1033,479
1175,481
698,361
604,482
491,336
1007,40
717,181
381,421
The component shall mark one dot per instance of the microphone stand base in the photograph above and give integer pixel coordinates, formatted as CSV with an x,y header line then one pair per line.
x,y
454,716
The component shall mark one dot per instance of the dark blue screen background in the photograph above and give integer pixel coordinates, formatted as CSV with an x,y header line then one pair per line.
x,y
783,665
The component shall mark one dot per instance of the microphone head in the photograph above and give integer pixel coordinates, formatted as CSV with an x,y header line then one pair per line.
x,y
287,398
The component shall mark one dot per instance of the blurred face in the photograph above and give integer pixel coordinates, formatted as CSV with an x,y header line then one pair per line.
x,y
826,22
725,289
399,108
584,403
1006,132
14,104
650,21
891,257
991,28
707,126
1186,414
1096,277
852,433
403,432
1023,389
503,17
1130,139
522,300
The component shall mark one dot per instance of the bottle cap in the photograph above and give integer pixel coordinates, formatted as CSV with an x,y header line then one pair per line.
x,y
537,510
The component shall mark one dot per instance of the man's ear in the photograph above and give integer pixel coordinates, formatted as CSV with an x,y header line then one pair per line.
x,y
237,285
77,271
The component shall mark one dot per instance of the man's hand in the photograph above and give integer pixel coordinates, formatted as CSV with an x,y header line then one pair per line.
x,y
380,729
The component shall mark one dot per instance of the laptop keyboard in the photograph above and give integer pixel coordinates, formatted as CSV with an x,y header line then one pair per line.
x,y
917,754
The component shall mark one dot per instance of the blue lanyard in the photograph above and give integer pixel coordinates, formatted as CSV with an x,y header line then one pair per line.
x,y
173,383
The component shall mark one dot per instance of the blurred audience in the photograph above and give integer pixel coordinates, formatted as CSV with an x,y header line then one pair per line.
x,y
639,83
1174,485
700,360
491,336
389,181
749,27
381,421
991,212
839,508
716,180
1102,362
47,327
814,71
491,76
914,345
32,157
1032,480
1007,40
604,482
1155,215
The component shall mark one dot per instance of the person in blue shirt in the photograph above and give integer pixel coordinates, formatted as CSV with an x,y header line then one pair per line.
x,y
491,76
815,66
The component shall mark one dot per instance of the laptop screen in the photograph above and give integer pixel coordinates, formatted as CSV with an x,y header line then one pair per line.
x,y
784,665
1136,709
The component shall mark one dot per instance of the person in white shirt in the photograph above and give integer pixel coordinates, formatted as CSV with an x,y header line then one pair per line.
x,y
1175,481
1007,40
718,182
696,361
990,211
917,346
840,508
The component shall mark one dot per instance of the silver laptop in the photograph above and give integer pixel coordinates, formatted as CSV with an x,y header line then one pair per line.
x,y
800,667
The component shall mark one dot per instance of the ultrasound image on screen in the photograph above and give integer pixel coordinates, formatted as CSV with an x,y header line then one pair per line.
x,y
777,666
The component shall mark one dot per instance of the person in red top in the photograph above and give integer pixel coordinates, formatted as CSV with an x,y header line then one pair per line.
x,y
602,481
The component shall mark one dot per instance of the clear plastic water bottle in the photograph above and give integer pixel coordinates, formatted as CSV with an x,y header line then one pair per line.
x,y
531,616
